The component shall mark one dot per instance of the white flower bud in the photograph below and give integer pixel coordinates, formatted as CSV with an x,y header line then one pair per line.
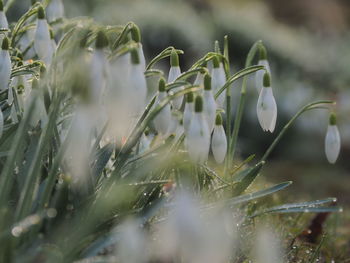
x,y
219,141
54,10
198,137
145,143
218,80
174,73
266,107
42,39
332,141
163,120
5,65
259,75
189,111
209,103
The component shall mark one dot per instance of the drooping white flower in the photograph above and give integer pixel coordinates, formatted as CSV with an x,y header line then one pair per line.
x,y
332,141
39,111
163,120
189,111
42,39
198,136
219,140
54,10
209,103
266,107
174,73
5,65
179,130
259,75
137,85
136,36
3,20
218,80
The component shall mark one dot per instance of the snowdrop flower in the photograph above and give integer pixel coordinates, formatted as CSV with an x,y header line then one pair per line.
x,y
39,111
189,111
259,76
218,81
42,39
136,36
209,103
219,141
198,137
5,64
3,20
163,120
174,73
54,10
332,141
179,130
137,84
266,107
99,67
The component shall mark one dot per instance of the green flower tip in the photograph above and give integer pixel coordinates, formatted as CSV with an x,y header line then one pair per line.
x,y
5,44
333,119
174,59
135,34
161,86
216,62
35,84
262,53
101,40
41,13
42,69
198,106
218,119
135,58
190,97
207,82
51,34
267,80
1,6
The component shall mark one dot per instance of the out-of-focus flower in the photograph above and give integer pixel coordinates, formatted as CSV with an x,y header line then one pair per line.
x,y
39,111
267,247
266,107
198,136
3,20
145,142
189,111
42,39
219,140
163,120
175,72
5,65
259,75
54,10
218,80
332,141
209,103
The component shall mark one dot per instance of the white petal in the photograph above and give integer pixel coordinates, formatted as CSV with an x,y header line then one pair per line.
x,y
218,80
42,41
219,144
5,69
188,115
198,139
137,89
163,119
54,10
174,72
209,105
332,143
267,110
3,20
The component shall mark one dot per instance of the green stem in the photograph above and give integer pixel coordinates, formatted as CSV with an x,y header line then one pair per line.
x,y
311,106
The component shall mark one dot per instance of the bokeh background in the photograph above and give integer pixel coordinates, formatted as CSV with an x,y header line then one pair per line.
x,y
309,52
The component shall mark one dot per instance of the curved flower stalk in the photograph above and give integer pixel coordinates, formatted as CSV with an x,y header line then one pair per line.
x,y
198,137
219,141
54,10
174,73
259,75
266,107
5,65
209,103
3,20
163,120
136,36
332,140
137,85
189,111
218,80
42,39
